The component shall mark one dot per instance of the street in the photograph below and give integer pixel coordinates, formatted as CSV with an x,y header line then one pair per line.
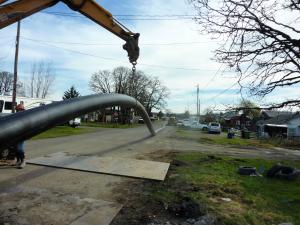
x,y
36,185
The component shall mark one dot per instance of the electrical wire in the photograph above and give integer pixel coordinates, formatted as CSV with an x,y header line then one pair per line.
x,y
227,89
117,60
110,44
222,92
130,17
142,64
12,41
213,78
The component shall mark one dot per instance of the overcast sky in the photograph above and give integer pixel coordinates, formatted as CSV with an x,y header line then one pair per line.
x,y
171,49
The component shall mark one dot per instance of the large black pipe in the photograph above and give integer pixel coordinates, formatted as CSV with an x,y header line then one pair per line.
x,y
26,124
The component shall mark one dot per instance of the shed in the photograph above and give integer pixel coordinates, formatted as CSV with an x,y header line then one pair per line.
x,y
285,125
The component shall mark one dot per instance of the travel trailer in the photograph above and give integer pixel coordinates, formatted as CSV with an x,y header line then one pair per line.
x,y
29,103
6,103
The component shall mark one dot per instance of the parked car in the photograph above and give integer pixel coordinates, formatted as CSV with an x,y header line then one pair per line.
x,y
75,122
172,121
198,126
186,123
179,123
214,128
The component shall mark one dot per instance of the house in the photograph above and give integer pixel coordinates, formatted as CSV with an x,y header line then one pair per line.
x,y
279,124
268,114
238,121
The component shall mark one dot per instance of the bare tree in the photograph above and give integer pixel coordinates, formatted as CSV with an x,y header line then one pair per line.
x,y
41,79
256,40
208,115
101,82
147,90
6,82
156,95
121,79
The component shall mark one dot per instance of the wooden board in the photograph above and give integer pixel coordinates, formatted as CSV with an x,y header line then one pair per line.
x,y
107,165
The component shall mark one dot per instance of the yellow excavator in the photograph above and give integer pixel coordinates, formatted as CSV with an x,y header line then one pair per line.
x,y
19,9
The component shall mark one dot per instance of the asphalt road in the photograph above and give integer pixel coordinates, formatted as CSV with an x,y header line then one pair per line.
x,y
37,184
43,195
104,141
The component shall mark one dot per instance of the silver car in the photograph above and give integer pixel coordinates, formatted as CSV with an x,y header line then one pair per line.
x,y
214,128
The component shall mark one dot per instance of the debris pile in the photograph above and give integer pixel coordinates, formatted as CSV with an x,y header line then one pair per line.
x,y
283,172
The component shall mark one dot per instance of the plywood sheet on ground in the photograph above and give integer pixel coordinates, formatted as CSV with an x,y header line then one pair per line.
x,y
108,165
29,205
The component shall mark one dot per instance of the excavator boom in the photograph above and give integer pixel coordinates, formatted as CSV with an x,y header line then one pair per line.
x,y
17,10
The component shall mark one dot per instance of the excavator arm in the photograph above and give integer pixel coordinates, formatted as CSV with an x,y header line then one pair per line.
x,y
17,10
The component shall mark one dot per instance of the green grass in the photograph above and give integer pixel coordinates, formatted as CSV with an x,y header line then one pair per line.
x,y
108,125
203,137
222,140
255,200
285,143
61,131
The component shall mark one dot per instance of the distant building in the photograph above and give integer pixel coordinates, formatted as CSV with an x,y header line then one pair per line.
x,y
238,120
279,124
268,114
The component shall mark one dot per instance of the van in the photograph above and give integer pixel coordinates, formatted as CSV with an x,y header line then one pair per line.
x,y
214,128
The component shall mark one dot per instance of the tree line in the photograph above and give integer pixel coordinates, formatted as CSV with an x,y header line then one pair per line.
x,y
38,85
148,90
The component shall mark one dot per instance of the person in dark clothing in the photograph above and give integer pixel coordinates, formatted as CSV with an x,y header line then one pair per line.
x,y
20,146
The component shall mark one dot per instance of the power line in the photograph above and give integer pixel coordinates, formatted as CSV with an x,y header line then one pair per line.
x,y
131,17
12,42
155,15
222,92
151,65
227,89
110,44
212,79
113,59
5,37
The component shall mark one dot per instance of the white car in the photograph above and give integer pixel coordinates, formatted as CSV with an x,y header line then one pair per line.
x,y
198,126
75,122
179,123
214,128
186,123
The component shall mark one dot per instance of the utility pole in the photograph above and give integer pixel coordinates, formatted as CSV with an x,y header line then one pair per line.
x,y
199,109
198,101
14,94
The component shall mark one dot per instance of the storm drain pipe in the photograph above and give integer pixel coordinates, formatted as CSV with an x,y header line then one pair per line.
x,y
26,124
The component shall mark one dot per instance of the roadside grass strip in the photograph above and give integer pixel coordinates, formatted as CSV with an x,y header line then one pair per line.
x,y
204,137
108,125
213,181
62,131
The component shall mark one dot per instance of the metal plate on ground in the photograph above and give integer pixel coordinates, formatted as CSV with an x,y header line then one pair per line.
x,y
34,206
108,165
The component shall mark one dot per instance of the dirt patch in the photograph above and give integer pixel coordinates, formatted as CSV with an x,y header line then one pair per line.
x,y
160,155
145,202
141,207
